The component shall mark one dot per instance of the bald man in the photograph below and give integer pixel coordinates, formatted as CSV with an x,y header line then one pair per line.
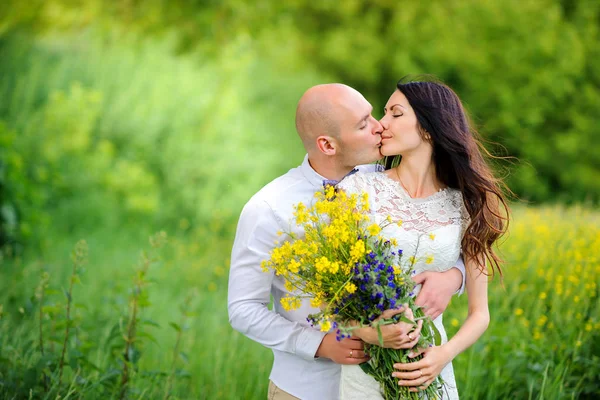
x,y
338,132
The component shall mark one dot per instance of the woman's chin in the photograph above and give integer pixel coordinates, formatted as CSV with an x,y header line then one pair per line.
x,y
386,152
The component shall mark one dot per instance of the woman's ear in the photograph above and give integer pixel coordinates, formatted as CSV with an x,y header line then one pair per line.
x,y
425,135
326,145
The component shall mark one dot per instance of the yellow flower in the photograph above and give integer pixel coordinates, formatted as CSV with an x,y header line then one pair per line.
x,y
522,287
431,236
429,259
316,302
588,327
279,233
397,270
325,326
330,192
288,286
364,200
301,214
264,266
394,242
399,223
542,320
351,288
454,322
519,312
322,264
543,296
294,266
290,303
374,229
334,267
358,250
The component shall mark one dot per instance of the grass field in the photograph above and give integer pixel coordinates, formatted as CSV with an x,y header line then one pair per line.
x,y
543,341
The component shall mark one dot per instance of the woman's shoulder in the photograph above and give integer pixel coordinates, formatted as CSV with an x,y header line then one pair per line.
x,y
360,180
457,201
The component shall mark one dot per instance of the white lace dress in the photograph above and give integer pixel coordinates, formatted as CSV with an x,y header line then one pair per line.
x,y
431,227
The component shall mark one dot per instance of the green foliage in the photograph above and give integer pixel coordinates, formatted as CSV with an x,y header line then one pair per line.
x,y
62,356
542,342
159,109
118,117
120,135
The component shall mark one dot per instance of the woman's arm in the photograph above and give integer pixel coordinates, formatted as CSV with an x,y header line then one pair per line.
x,y
422,373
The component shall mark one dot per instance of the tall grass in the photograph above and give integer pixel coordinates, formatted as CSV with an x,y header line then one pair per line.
x,y
542,343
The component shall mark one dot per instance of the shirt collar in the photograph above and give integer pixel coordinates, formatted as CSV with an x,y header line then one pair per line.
x,y
311,175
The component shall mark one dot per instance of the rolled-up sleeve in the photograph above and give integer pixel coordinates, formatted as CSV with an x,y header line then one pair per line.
x,y
249,290
460,265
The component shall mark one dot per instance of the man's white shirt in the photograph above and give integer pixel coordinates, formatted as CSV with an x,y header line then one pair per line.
x,y
293,341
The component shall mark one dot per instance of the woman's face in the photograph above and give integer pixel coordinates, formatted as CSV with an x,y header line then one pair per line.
x,y
400,127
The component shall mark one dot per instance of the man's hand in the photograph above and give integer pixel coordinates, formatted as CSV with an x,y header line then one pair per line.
x,y
395,336
346,351
437,290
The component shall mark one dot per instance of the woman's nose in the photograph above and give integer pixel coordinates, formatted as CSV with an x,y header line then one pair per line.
x,y
383,122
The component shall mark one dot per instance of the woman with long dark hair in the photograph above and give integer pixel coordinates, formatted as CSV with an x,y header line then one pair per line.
x,y
438,183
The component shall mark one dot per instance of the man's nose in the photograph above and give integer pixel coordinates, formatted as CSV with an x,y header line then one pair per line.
x,y
378,127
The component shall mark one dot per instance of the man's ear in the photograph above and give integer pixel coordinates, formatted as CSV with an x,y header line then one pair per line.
x,y
326,145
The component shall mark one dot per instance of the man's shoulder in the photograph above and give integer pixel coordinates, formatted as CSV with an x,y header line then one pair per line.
x,y
279,189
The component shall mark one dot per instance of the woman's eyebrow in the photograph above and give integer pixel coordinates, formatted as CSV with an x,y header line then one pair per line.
x,y
391,107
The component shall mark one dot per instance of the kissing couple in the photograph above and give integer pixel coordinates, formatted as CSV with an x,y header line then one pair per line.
x,y
432,176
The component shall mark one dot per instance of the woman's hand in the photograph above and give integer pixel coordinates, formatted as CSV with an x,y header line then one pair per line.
x,y
422,373
401,335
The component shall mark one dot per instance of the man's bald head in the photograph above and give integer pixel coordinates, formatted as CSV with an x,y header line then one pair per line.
x,y
317,113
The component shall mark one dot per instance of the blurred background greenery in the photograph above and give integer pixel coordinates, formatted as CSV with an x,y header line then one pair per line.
x,y
120,118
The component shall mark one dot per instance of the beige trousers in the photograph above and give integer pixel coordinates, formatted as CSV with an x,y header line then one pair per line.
x,y
277,394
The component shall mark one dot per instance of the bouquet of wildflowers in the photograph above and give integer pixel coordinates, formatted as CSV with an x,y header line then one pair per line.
x,y
352,274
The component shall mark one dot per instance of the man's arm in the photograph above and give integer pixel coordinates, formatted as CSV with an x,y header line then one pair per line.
x,y
250,288
460,265
439,287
